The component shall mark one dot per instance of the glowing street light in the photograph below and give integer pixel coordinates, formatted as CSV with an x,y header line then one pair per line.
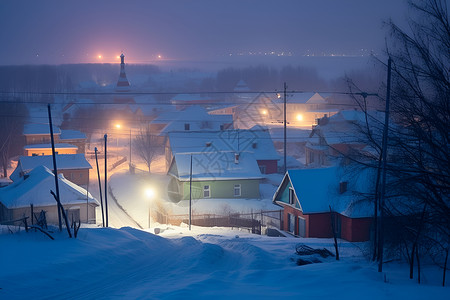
x,y
118,126
299,117
149,194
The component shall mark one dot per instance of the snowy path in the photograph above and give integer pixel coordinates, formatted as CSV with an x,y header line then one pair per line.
x,y
117,216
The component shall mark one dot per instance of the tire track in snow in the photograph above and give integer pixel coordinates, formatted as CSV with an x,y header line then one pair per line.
x,y
135,223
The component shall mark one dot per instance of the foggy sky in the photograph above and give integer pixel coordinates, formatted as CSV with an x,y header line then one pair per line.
x,y
57,32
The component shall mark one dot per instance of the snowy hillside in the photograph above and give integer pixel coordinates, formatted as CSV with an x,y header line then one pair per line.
x,y
133,264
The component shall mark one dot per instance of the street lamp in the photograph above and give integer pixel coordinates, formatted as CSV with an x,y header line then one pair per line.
x,y
149,194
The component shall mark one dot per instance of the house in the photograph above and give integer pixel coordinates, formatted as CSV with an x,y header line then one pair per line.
x,y
74,167
192,118
15,199
256,141
38,140
46,149
304,109
314,198
340,135
215,175
39,133
259,110
74,137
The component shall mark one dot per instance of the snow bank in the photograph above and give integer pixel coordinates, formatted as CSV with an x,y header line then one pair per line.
x,y
127,263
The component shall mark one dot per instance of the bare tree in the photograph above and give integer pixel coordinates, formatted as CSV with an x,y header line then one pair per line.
x,y
12,119
146,145
418,164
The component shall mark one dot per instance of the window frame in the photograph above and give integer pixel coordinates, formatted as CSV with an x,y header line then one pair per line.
x,y
291,196
207,189
237,187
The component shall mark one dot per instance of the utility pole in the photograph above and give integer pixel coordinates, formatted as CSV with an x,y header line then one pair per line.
x,y
55,169
383,169
285,164
100,187
106,182
190,195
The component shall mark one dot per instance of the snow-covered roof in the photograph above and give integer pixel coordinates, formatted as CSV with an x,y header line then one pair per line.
x,y
71,135
46,146
35,189
257,141
39,128
196,116
63,162
345,127
215,166
317,189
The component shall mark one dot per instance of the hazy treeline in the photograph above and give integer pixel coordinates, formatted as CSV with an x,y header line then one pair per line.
x,y
60,78
64,78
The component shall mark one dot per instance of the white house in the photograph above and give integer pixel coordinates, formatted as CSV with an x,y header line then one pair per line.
x,y
15,199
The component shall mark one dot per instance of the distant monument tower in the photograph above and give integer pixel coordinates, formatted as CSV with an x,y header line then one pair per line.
x,y
123,85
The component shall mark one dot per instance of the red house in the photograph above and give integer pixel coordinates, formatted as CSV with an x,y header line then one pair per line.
x,y
314,198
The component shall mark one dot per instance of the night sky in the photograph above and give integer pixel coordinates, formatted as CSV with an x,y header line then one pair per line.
x,y
57,32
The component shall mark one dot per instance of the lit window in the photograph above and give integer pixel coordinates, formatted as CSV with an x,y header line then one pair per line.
x,y
237,190
206,191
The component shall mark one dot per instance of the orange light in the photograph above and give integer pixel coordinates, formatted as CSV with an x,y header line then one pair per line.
x,y
100,56
299,117
159,56
118,126
264,112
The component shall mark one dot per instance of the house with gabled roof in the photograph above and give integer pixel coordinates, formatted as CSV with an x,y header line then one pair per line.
x,y
315,199
304,109
341,135
192,118
256,141
39,133
215,175
34,189
38,140
74,167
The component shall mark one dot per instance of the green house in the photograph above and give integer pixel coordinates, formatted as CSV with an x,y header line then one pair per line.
x,y
215,175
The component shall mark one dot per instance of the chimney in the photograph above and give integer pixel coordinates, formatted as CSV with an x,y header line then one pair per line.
x,y
236,158
208,144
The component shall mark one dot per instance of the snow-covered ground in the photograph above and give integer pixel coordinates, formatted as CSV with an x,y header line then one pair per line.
x,y
129,192
127,263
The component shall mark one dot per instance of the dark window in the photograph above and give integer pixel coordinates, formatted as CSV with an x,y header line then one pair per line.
x,y
206,191
187,126
291,196
237,190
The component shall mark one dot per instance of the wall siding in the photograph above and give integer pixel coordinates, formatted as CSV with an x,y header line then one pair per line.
x,y
222,189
